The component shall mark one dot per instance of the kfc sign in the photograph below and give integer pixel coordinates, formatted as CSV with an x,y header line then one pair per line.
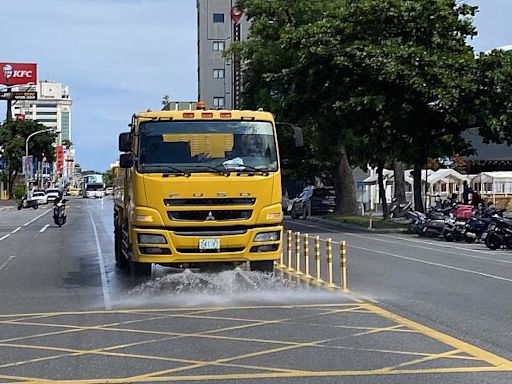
x,y
18,73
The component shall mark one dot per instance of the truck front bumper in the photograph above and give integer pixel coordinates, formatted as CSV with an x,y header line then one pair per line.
x,y
183,246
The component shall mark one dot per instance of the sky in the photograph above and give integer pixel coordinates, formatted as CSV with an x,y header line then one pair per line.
x,y
120,57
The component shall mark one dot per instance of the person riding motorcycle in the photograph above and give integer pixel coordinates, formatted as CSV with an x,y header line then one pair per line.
x,y
59,211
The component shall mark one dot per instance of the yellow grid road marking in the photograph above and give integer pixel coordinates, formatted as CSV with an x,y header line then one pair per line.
x,y
498,363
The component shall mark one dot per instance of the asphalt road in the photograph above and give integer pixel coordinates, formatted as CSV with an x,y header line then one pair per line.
x,y
420,311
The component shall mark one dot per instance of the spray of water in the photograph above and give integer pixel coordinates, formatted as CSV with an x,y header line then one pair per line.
x,y
227,288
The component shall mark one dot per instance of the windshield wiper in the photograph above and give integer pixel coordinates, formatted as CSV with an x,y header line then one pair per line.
x,y
216,169
169,170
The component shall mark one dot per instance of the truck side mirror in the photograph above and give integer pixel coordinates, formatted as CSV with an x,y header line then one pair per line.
x,y
298,136
125,160
125,142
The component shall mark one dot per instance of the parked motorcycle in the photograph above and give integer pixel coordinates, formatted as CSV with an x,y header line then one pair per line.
x,y
26,203
59,212
436,221
399,210
498,234
479,223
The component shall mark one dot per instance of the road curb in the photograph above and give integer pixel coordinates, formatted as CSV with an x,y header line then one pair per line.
x,y
356,227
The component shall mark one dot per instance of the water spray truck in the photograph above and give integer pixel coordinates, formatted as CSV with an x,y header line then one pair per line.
x,y
198,188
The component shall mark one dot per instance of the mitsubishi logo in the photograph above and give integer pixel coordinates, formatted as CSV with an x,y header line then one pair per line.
x,y
210,217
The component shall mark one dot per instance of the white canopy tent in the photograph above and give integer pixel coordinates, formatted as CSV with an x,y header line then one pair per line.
x,y
493,183
442,183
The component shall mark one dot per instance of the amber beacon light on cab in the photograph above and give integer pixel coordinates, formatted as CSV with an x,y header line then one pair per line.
x,y
198,187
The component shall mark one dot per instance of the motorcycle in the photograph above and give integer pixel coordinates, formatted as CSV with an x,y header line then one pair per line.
x,y
436,222
399,210
498,234
26,203
478,224
59,212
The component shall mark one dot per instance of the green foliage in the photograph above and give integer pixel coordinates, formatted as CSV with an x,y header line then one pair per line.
x,y
387,79
108,178
493,96
13,135
19,191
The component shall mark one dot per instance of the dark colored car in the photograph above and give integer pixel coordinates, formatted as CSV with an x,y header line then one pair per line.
x,y
314,201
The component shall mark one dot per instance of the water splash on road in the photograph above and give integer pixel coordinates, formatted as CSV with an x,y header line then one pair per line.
x,y
236,287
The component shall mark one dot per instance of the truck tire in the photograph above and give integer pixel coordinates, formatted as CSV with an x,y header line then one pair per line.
x,y
140,270
121,261
265,266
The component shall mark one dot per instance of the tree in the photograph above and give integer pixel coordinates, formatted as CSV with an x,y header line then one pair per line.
x,y
13,135
493,95
382,80
67,143
108,178
166,100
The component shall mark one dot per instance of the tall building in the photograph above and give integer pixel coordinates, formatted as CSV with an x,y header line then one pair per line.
x,y
218,24
52,108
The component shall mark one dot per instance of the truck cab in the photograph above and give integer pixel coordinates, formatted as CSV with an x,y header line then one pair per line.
x,y
198,187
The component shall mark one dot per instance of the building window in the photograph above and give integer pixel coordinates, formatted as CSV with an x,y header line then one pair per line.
x,y
218,102
218,73
218,17
218,45
46,105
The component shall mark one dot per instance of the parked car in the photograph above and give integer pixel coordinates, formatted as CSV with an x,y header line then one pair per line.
x,y
39,196
109,191
314,201
52,194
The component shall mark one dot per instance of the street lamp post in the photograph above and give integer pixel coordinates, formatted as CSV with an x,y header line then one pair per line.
x,y
26,148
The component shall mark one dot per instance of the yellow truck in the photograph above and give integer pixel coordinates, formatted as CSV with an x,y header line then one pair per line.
x,y
198,188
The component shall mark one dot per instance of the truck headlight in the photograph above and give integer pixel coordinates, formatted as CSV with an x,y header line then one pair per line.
x,y
146,238
267,236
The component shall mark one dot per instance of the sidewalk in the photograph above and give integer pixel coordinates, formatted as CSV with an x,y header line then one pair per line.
x,y
354,227
7,204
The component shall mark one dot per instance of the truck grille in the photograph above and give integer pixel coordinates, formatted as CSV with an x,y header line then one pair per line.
x,y
209,202
222,215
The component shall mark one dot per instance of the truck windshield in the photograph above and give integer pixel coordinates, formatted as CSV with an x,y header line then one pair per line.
x,y
206,146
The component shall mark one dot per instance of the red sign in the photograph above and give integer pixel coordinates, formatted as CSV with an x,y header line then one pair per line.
x,y
20,116
236,15
18,73
60,157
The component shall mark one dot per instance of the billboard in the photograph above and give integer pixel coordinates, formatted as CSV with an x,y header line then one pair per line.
x,y
60,157
18,95
18,73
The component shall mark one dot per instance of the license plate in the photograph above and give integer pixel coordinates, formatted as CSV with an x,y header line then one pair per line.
x,y
209,244
484,235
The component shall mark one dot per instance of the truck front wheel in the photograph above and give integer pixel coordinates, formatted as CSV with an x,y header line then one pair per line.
x,y
265,266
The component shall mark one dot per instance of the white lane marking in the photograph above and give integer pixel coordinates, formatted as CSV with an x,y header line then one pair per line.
x,y
5,237
417,246
441,245
16,230
44,228
38,217
434,264
6,262
433,249
103,274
